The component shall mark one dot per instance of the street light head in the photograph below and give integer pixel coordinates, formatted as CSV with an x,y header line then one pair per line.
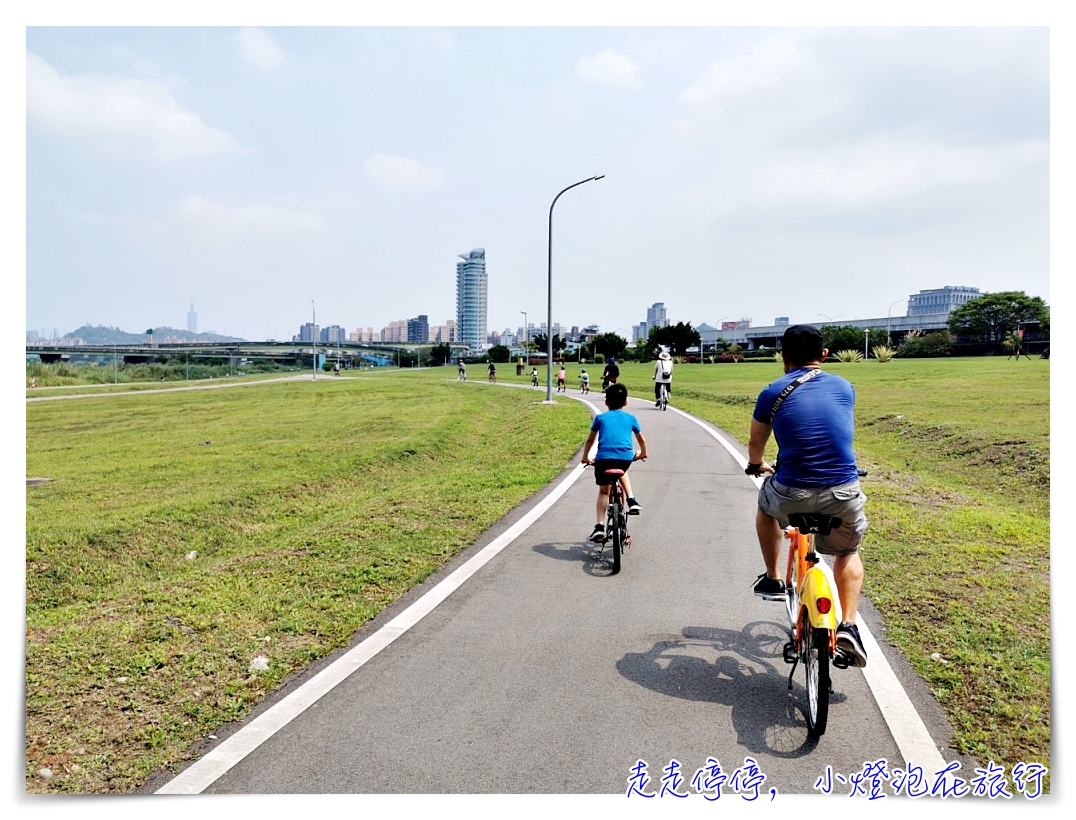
x,y
601,177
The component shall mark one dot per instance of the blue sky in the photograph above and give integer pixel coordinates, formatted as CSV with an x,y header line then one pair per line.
x,y
749,172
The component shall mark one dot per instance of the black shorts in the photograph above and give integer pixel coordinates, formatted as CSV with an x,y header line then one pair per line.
x,y
600,466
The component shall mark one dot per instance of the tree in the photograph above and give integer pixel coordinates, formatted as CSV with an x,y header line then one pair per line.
x,y
610,344
848,337
919,345
441,353
678,338
541,343
989,317
499,353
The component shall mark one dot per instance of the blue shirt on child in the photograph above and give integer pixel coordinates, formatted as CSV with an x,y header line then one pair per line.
x,y
614,429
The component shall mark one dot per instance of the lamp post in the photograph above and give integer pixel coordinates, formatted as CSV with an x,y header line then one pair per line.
x,y
549,313
314,339
889,321
866,341
526,338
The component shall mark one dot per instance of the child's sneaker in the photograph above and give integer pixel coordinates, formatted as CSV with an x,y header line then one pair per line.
x,y
634,507
598,536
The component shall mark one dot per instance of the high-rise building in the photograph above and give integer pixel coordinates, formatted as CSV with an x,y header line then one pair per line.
x,y
418,329
395,331
333,334
308,333
471,294
655,315
192,320
640,332
940,300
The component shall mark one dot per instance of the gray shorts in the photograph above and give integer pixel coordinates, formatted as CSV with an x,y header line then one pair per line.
x,y
845,501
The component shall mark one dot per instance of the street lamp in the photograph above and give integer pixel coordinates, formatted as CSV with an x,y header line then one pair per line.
x,y
526,338
866,341
549,314
889,321
314,339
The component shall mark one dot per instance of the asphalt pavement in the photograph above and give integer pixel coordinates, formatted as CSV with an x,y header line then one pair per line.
x,y
537,671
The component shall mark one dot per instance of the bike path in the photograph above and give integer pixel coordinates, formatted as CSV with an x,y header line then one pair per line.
x,y
543,674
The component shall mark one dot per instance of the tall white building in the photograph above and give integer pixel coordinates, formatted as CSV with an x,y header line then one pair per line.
x,y
192,320
471,299
940,300
655,315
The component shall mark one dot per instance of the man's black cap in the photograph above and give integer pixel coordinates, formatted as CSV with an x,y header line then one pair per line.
x,y
803,334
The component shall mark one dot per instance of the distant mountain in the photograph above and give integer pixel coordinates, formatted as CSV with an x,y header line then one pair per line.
x,y
101,335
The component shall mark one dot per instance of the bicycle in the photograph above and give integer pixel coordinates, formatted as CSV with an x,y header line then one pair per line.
x,y
616,521
584,386
663,395
812,618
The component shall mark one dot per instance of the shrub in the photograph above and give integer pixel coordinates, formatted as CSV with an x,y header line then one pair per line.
x,y
883,353
849,356
919,345
730,357
599,358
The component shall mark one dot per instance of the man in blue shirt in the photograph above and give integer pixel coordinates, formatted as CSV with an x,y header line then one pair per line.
x,y
816,472
613,431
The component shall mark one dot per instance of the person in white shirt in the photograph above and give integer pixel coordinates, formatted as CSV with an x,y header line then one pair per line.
x,y
663,369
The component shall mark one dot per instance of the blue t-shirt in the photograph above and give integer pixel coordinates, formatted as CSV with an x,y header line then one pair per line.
x,y
813,429
614,429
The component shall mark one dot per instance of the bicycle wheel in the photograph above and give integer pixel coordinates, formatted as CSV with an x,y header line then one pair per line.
x,y
615,534
664,397
816,664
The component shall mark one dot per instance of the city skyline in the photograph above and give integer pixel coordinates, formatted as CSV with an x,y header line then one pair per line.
x,y
743,167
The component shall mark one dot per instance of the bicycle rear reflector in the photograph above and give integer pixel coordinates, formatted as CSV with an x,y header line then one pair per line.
x,y
824,605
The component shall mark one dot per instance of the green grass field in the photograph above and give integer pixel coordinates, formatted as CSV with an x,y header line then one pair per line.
x,y
184,534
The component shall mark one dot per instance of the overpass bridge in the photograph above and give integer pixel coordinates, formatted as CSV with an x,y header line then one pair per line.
x,y
285,353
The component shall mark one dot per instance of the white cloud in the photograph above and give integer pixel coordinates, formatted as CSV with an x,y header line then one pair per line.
x,y
608,67
280,218
393,173
766,67
258,47
884,168
107,109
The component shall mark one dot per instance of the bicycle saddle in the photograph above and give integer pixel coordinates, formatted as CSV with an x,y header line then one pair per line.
x,y
614,472
814,523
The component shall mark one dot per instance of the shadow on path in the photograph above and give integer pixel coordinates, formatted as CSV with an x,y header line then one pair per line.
x,y
743,670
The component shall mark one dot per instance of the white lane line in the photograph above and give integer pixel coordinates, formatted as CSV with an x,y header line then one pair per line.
x,y
908,729
204,772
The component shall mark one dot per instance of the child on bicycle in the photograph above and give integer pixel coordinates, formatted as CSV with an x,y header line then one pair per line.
x,y
534,377
584,381
613,431
562,375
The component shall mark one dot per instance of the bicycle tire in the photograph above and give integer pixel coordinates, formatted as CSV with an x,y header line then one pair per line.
x,y
816,665
613,528
664,397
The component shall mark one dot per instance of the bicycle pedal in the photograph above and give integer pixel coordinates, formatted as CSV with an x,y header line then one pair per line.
x,y
842,661
791,652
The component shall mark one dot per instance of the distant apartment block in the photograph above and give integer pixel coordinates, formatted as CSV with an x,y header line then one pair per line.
x,y
418,329
940,300
640,332
364,336
471,298
443,334
655,315
333,334
308,334
395,332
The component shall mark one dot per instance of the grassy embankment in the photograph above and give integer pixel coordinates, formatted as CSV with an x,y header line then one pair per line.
x,y
310,507
133,650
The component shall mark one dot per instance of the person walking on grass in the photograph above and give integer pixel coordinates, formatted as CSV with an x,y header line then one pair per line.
x,y
816,472
613,431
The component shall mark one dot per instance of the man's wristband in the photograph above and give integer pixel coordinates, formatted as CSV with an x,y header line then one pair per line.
x,y
753,469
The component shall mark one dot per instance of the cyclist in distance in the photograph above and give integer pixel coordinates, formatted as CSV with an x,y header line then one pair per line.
x,y
534,377
584,381
613,431
610,374
562,375
815,473
663,369
461,370
492,372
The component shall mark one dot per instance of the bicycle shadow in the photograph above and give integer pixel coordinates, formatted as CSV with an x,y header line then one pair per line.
x,y
588,554
743,670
